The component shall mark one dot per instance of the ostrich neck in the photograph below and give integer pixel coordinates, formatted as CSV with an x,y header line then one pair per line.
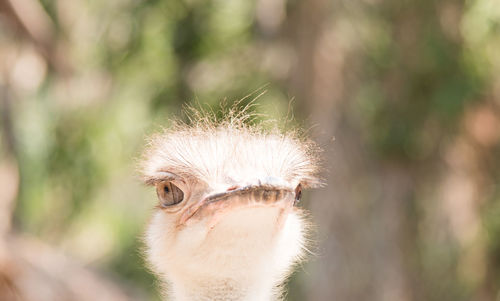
x,y
222,290
250,266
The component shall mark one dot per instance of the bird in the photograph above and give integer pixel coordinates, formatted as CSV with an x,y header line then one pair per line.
x,y
227,225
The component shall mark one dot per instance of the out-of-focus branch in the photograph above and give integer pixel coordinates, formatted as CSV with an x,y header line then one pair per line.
x,y
30,15
9,173
29,20
9,177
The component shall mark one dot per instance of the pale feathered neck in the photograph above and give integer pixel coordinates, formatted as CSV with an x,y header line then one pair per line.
x,y
223,289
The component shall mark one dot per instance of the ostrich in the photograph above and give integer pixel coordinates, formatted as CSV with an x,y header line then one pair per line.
x,y
226,225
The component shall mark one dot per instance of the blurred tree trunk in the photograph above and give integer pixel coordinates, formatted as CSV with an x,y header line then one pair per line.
x,y
398,225
361,213
465,186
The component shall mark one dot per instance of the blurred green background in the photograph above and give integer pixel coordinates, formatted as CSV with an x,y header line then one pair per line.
x,y
403,96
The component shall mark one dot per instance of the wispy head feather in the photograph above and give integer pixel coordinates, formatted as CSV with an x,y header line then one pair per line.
x,y
237,146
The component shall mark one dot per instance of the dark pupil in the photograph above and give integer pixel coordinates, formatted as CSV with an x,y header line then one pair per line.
x,y
298,193
165,189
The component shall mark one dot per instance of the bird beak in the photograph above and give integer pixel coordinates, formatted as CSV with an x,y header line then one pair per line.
x,y
259,195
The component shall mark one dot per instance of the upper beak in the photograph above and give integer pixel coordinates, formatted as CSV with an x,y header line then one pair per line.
x,y
263,194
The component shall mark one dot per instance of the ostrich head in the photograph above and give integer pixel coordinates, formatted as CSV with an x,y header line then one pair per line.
x,y
226,226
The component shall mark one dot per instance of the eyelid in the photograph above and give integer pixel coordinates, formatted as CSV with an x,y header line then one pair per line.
x,y
161,176
166,176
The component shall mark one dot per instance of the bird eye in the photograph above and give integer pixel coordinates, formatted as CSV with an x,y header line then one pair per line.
x,y
298,193
169,194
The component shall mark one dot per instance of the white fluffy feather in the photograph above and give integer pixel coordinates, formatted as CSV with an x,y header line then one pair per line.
x,y
250,249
